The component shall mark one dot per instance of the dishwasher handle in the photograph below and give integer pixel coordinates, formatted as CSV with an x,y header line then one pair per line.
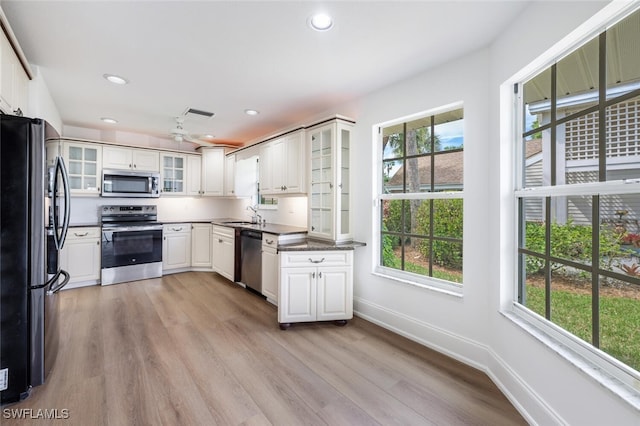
x,y
256,235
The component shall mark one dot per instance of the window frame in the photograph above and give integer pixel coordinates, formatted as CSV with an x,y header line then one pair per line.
x,y
423,281
611,373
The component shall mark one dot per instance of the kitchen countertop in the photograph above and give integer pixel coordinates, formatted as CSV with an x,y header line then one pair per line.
x,y
270,228
319,245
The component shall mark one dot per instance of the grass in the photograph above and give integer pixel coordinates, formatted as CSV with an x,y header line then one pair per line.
x,y
619,320
447,275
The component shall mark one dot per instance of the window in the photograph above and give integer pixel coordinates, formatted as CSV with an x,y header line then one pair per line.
x,y
421,199
578,197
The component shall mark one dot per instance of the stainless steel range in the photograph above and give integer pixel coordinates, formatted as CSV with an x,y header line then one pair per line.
x,y
131,244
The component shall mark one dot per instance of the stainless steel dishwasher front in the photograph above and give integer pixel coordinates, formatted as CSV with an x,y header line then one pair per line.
x,y
251,259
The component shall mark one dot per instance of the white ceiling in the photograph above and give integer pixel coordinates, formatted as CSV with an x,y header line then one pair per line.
x,y
225,57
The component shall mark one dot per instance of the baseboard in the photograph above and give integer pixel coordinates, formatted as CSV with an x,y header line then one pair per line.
x,y
470,352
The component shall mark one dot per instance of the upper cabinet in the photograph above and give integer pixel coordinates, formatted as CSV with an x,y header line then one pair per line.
x,y
213,171
14,81
173,173
115,157
83,166
283,165
329,188
194,175
229,176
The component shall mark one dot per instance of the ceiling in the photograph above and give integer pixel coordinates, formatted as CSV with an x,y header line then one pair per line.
x,y
225,57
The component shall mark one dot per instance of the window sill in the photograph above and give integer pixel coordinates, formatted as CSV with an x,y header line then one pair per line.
x,y
427,283
629,393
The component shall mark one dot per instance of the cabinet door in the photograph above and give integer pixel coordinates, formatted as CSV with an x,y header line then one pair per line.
x,y
194,175
176,248
229,176
114,157
80,256
297,295
335,293
84,167
322,184
265,170
172,174
201,245
145,159
270,266
223,256
213,171
278,165
296,165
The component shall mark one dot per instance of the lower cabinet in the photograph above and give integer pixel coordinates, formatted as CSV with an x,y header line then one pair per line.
x,y
315,286
270,267
201,246
80,256
223,251
176,247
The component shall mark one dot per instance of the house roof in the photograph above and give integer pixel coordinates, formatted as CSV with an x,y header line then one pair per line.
x,y
533,147
449,168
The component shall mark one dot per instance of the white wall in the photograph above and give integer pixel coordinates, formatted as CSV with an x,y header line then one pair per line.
x,y
544,386
290,211
41,104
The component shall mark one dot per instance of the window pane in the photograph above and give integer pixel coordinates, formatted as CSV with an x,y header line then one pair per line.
x,y
391,253
75,167
537,100
572,242
393,142
533,162
447,218
392,216
581,150
577,79
392,176
620,322
448,131
418,138
533,293
91,154
623,133
90,169
90,183
419,210
623,51
447,259
415,174
75,153
620,235
449,171
168,161
179,163
571,306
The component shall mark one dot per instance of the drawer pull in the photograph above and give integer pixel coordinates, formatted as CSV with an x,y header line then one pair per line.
x,y
81,235
220,241
316,261
176,229
269,241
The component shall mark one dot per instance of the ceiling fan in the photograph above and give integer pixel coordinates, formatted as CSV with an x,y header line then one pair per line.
x,y
179,134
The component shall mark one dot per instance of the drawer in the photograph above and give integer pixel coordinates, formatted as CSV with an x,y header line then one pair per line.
x,y
177,228
223,230
83,233
269,240
315,258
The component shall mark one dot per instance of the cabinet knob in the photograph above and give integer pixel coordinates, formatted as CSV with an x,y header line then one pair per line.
x,y
313,275
319,274
129,165
98,242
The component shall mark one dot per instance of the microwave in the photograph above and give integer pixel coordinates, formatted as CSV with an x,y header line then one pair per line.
x,y
125,183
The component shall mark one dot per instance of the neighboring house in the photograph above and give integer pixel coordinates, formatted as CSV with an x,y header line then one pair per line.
x,y
578,146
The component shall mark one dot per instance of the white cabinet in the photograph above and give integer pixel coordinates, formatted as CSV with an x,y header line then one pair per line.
x,y
315,286
176,247
283,165
229,176
223,251
201,246
194,175
83,162
329,188
80,256
14,82
115,157
213,171
270,267
173,174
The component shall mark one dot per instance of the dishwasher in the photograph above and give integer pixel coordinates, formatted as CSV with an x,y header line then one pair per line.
x,y
251,259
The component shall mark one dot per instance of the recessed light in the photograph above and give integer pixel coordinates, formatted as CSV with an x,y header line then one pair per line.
x,y
320,22
251,112
109,120
115,79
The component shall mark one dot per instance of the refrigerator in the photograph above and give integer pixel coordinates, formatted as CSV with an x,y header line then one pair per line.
x,y
34,218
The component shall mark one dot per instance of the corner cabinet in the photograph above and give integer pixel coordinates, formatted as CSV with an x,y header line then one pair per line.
x,y
201,246
315,286
176,247
330,215
283,165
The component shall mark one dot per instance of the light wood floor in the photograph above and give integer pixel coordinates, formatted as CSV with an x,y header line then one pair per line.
x,y
195,349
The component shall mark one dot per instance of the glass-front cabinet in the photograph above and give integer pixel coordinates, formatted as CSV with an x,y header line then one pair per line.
x,y
83,166
173,174
329,188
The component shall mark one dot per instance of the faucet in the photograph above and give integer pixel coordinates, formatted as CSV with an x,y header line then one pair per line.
x,y
255,216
